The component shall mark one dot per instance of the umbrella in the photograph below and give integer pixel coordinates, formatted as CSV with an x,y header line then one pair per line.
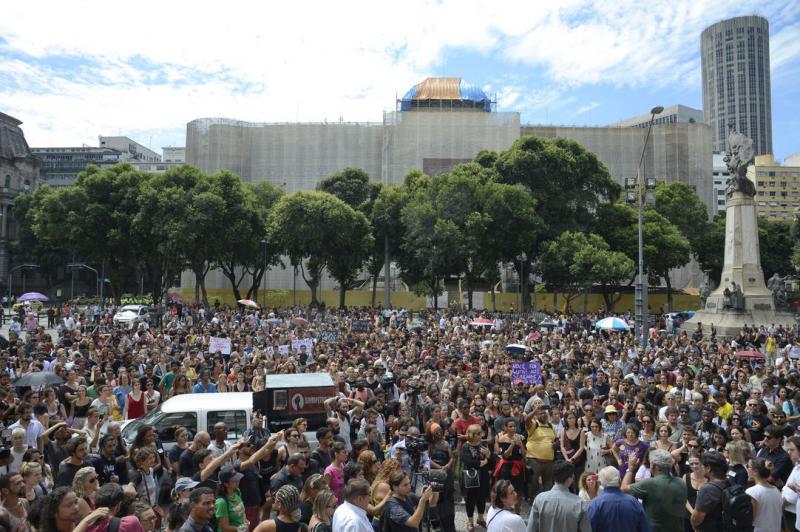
x,y
749,354
300,321
481,322
416,324
32,296
38,378
516,348
248,303
612,324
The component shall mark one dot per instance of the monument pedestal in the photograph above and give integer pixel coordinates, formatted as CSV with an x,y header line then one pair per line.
x,y
742,266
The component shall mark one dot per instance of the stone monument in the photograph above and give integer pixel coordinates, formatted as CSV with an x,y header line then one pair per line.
x,y
741,297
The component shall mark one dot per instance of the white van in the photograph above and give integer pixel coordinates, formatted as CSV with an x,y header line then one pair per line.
x,y
196,412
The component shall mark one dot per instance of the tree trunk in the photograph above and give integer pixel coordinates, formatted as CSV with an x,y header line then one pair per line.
x,y
204,291
343,295
374,289
586,299
555,300
494,299
525,285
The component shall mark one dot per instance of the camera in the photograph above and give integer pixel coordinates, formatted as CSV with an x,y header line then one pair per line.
x,y
435,478
416,444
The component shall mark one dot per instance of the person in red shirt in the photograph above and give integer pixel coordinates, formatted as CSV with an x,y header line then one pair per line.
x,y
462,422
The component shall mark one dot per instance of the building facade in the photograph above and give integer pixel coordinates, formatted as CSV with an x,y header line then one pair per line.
x,y
133,150
777,186
63,164
736,81
721,176
674,114
20,173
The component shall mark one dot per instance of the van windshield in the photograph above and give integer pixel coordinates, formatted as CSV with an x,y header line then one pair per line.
x,y
129,431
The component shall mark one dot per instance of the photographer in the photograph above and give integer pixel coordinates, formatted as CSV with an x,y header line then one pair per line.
x,y
400,451
404,510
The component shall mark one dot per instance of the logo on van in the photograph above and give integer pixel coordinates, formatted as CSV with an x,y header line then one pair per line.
x,y
298,401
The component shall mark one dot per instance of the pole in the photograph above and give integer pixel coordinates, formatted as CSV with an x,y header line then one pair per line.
x,y
294,288
102,285
264,275
387,281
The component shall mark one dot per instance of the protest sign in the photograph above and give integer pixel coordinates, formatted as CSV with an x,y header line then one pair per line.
x,y
219,345
360,326
527,372
329,337
283,349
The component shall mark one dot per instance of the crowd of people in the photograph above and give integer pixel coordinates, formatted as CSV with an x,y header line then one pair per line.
x,y
430,413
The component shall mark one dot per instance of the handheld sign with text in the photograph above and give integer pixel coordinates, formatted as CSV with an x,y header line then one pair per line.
x,y
329,337
527,372
220,345
361,326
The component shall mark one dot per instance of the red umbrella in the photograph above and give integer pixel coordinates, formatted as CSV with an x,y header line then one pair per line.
x,y
481,322
298,320
749,354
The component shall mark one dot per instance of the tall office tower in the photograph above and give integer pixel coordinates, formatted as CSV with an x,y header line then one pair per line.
x,y
736,85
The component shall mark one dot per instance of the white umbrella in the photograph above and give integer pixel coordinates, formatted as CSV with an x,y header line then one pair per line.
x,y
248,303
612,324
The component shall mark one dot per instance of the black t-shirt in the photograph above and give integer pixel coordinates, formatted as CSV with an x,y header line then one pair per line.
x,y
66,473
398,512
249,487
709,500
185,465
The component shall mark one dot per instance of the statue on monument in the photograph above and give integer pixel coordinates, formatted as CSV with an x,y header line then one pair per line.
x,y
733,297
740,155
780,296
705,290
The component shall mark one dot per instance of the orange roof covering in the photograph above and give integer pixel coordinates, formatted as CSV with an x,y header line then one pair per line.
x,y
439,89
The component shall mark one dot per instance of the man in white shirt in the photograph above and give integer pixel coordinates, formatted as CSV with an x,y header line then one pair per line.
x,y
792,486
351,515
33,429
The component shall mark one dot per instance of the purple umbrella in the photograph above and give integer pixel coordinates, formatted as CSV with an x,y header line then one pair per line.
x,y
32,296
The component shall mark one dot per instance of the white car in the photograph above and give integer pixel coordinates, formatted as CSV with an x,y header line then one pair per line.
x,y
129,313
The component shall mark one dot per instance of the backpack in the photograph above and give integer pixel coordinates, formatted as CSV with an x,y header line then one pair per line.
x,y
737,508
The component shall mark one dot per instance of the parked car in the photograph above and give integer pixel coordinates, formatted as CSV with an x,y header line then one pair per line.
x,y
129,313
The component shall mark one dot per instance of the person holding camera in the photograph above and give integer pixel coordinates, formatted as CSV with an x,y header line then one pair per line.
x,y
400,451
404,510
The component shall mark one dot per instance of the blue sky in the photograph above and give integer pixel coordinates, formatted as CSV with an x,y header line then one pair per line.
x,y
74,70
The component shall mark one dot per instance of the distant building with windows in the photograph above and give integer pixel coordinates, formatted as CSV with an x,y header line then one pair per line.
x,y
674,114
63,164
777,186
133,150
20,173
734,54
721,176
173,154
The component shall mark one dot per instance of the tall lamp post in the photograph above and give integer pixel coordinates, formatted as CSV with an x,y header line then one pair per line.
x,y
11,278
264,275
640,187
97,286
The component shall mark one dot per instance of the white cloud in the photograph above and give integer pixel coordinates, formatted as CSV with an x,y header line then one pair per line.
x,y
152,67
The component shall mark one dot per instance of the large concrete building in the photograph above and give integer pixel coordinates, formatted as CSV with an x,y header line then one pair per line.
x,y
674,114
736,81
438,124
20,173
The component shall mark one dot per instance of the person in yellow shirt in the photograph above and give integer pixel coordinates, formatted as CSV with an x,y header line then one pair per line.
x,y
724,408
771,350
539,451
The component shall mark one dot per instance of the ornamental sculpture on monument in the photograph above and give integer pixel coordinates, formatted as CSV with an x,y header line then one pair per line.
x,y
741,298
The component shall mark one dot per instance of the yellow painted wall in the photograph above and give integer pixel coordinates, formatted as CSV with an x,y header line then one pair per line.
x,y
505,301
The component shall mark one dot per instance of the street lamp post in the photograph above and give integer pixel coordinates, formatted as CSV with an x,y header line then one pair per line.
x,y
96,275
264,275
11,278
642,318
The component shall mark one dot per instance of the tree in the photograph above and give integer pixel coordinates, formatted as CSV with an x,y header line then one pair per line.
x,y
351,185
575,261
387,228
312,229
775,242
262,196
568,182
711,248
665,248
680,204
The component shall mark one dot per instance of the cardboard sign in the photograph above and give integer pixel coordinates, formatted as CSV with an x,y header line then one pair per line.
x,y
220,345
360,326
283,349
299,344
527,372
329,337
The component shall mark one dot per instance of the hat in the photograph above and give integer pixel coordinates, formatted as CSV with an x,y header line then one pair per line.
x,y
610,409
184,483
519,381
228,473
